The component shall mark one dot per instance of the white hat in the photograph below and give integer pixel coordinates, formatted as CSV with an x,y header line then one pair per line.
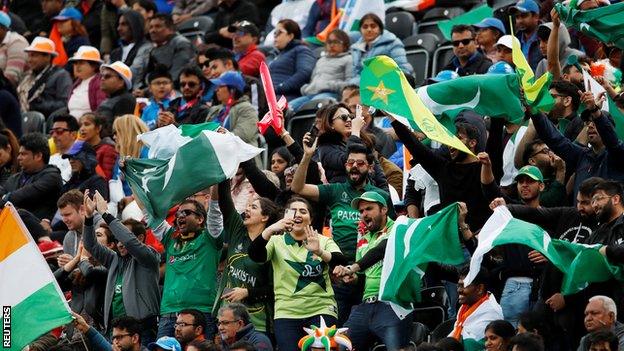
x,y
42,45
124,72
87,53
506,41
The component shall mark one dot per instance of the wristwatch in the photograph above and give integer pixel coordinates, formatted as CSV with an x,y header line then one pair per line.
x,y
463,228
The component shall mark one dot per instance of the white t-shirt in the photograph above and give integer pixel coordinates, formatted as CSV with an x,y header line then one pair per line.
x,y
62,164
78,103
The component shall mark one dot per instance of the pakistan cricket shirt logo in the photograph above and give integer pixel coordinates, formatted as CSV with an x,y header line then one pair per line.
x,y
310,271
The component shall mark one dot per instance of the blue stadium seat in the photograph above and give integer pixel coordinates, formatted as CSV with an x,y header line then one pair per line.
x,y
419,49
195,27
400,23
441,58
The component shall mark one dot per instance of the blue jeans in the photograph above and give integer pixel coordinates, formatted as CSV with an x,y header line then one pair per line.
x,y
369,322
515,299
288,331
347,296
166,326
295,104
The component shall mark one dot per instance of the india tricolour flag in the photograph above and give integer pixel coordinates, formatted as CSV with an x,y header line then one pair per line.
x,y
32,302
580,264
354,10
205,160
412,244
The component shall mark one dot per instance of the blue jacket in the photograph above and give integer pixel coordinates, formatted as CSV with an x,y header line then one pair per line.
x,y
291,69
583,160
386,44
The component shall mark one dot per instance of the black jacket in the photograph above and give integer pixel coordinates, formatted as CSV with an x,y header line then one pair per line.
x,y
119,103
91,21
87,178
477,64
137,27
193,115
239,11
36,192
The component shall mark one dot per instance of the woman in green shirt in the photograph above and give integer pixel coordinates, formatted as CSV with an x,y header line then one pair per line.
x,y
244,280
300,259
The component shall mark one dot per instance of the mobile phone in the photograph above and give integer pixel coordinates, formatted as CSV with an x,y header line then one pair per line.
x,y
313,134
289,214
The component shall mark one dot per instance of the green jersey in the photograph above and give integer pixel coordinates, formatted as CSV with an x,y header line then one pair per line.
x,y
301,280
190,272
241,272
344,219
117,305
373,273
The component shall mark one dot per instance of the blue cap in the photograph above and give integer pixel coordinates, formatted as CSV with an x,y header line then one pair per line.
x,y
443,76
167,343
492,22
5,20
500,67
68,13
77,147
231,79
526,6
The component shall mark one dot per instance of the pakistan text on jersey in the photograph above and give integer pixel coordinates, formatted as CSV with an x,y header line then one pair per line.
x,y
243,276
348,215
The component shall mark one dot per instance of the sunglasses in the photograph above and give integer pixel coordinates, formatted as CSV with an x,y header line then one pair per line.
x,y
204,64
358,163
186,213
58,131
107,76
188,84
463,41
345,117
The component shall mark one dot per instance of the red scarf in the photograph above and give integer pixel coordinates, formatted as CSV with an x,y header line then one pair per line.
x,y
463,314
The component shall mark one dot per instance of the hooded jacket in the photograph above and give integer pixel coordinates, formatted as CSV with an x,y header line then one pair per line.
x,y
243,120
139,54
564,50
291,69
386,44
87,178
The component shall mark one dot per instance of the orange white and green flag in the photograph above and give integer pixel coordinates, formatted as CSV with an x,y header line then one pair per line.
x,y
31,300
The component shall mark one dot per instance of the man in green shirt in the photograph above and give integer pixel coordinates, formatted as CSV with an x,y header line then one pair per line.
x,y
192,254
344,219
373,320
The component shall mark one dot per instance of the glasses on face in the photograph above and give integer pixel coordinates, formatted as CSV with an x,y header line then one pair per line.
x,y
557,95
599,198
188,84
119,336
358,163
220,323
463,42
183,324
186,213
544,151
345,117
204,64
160,82
107,76
334,42
58,131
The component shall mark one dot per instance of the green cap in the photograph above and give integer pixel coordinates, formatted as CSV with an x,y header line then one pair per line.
x,y
531,172
370,196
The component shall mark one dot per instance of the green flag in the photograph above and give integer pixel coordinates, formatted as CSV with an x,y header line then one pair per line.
x,y
207,159
471,17
604,23
412,244
494,95
580,264
618,117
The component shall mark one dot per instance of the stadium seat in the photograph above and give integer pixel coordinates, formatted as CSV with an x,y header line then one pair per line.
x,y
499,4
441,57
301,122
466,4
318,51
419,49
442,330
195,27
430,316
429,24
400,23
33,122
436,296
419,334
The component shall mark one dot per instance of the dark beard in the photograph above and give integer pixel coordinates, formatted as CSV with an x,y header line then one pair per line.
x,y
605,213
361,180
460,156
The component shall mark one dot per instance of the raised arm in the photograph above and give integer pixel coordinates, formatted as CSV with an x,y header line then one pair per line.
x,y
101,253
552,50
558,143
431,162
298,185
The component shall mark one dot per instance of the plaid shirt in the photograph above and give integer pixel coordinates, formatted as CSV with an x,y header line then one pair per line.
x,y
13,56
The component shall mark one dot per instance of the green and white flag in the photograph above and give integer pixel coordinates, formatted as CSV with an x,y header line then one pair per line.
x,y
494,95
412,244
609,105
580,264
471,17
604,23
207,159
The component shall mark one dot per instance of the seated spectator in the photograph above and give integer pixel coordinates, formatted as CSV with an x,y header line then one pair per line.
x,y
331,73
230,12
245,49
165,343
292,67
86,95
10,114
9,150
83,162
190,326
91,11
91,126
73,32
281,159
134,48
63,132
50,8
497,335
160,85
603,341
188,108
526,342
527,19
37,186
504,47
296,10
126,334
116,83
185,9
467,60
376,41
52,84
544,31
12,54
147,9
171,49
489,30
601,315
234,113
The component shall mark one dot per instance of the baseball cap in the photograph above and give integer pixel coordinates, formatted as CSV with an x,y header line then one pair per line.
x,y
492,22
525,6
122,70
531,172
5,20
167,343
68,13
500,67
49,247
443,76
370,196
231,79
506,41
42,45
77,147
246,27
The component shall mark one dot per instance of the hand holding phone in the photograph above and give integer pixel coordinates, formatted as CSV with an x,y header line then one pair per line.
x,y
289,214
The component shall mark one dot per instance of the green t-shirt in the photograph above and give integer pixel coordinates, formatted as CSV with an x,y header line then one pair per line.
x,y
344,219
301,280
117,305
373,273
241,272
190,272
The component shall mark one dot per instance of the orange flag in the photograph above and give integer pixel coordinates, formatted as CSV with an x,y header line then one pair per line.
x,y
333,23
57,38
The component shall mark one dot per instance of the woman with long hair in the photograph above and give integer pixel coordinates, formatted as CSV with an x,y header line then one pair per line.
x,y
9,149
73,33
497,335
91,126
125,131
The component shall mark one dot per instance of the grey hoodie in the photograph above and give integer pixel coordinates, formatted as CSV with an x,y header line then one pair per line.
x,y
330,74
564,50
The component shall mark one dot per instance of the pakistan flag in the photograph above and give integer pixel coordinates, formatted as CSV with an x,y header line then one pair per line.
x,y
202,161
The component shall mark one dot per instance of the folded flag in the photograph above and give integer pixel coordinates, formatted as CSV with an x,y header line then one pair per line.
x,y
604,23
412,244
32,302
609,105
384,86
471,17
207,159
580,264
